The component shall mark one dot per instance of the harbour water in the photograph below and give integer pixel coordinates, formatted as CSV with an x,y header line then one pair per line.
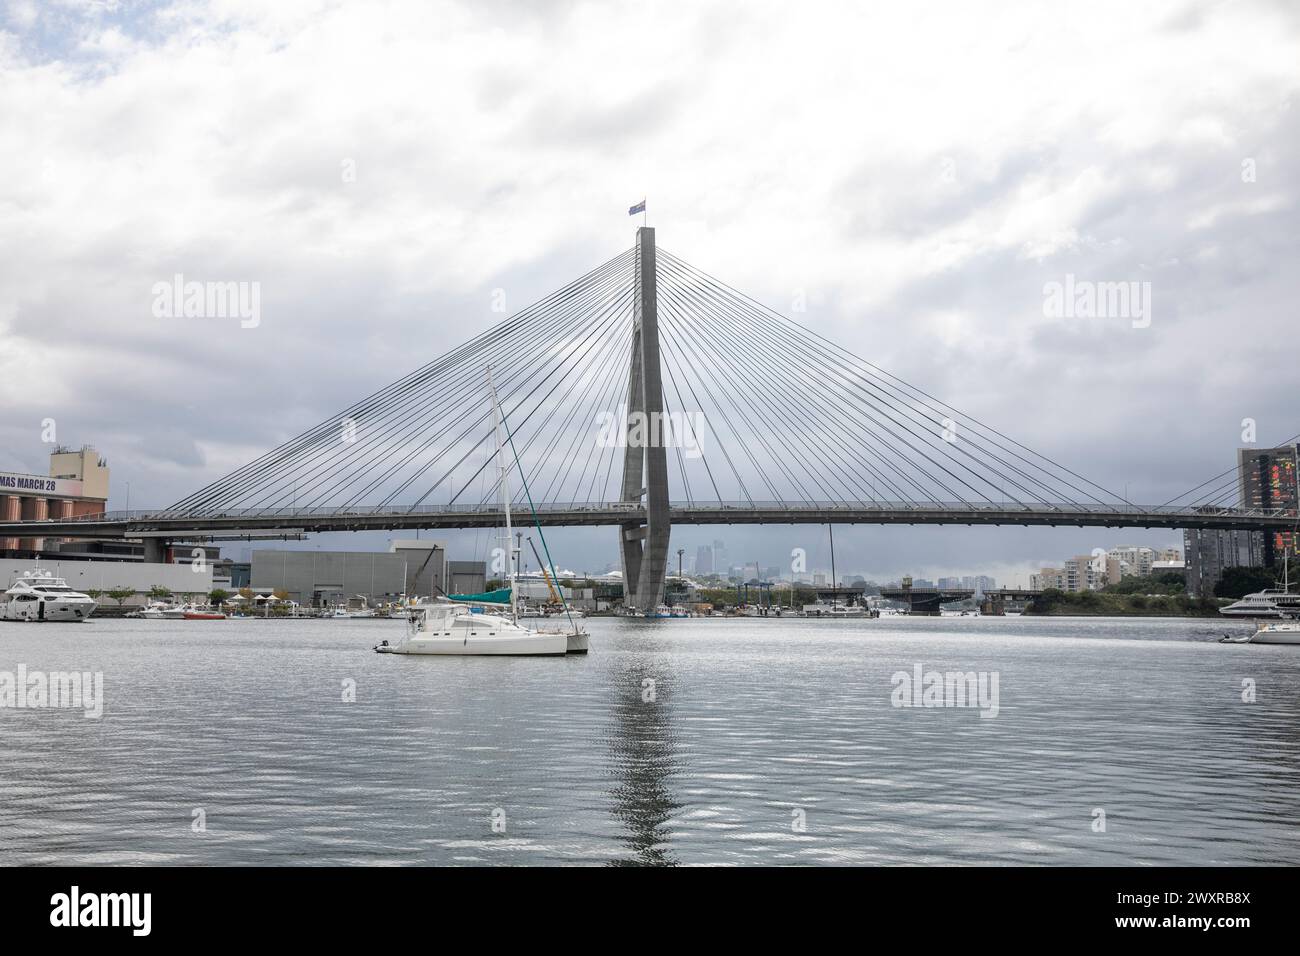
x,y
725,741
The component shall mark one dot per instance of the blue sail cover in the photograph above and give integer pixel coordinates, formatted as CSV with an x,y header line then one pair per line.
x,y
499,596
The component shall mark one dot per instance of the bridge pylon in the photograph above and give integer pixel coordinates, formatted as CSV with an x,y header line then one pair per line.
x,y
643,548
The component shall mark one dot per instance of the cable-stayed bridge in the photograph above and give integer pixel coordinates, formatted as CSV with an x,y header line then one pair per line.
x,y
645,394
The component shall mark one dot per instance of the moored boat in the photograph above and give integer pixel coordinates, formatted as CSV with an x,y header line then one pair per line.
x,y
193,612
37,595
476,624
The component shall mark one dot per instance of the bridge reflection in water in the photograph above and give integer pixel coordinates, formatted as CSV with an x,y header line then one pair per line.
x,y
643,752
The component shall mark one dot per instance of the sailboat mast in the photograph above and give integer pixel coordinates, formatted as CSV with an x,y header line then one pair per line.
x,y
835,597
505,494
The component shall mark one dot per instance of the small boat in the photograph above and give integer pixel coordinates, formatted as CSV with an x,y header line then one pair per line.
x,y
161,610
192,612
833,610
37,595
1270,632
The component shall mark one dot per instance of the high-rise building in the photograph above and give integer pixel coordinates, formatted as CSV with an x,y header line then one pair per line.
x,y
1208,552
1268,479
1048,579
704,559
1134,560
1090,572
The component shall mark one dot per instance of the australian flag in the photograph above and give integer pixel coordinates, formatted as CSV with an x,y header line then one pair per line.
x,y
639,207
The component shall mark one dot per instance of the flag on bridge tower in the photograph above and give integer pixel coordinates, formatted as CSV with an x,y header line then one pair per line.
x,y
639,207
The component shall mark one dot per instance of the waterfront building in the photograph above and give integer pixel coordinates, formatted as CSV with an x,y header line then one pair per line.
x,y
76,485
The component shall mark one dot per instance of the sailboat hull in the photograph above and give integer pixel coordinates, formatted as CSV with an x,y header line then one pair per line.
x,y
1277,634
500,645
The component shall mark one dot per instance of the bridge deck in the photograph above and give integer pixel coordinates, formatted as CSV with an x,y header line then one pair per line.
x,y
235,523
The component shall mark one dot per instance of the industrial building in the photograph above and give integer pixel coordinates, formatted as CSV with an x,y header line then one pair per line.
x,y
407,569
76,485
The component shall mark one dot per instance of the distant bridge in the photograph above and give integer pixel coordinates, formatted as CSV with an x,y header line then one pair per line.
x,y
930,600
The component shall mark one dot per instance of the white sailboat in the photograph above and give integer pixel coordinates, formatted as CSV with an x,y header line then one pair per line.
x,y
448,627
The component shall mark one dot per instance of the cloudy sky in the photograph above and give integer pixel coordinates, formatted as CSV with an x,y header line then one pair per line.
x,y
917,172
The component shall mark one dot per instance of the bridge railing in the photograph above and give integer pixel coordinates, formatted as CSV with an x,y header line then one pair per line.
x,y
856,507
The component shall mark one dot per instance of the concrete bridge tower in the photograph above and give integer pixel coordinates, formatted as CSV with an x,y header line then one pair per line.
x,y
644,547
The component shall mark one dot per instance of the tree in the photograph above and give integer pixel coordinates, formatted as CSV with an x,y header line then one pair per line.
x,y
218,596
160,593
1162,582
120,594
1238,582
93,593
280,594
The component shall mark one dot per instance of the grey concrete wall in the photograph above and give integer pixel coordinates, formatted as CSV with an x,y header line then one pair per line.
x,y
181,579
341,575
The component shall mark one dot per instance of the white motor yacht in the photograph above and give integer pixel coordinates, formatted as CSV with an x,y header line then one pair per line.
x,y
1270,602
1267,603
40,596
